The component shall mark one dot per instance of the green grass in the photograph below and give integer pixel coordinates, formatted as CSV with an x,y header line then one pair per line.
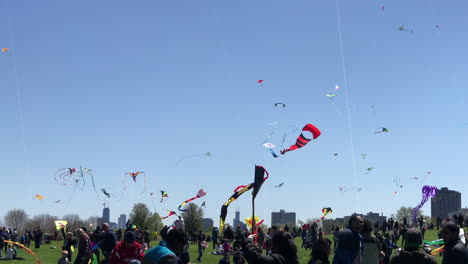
x,y
50,256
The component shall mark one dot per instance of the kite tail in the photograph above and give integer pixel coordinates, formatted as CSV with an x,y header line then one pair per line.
x,y
144,183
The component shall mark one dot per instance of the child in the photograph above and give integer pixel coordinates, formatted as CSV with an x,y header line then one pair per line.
x,y
64,259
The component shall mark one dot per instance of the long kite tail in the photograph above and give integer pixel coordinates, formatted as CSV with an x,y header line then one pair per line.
x,y
144,183
94,186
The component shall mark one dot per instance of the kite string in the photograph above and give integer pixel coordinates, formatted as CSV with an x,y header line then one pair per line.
x,y
343,66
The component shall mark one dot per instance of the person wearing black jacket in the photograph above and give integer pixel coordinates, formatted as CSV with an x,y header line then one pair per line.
x,y
455,251
106,241
412,252
283,250
68,242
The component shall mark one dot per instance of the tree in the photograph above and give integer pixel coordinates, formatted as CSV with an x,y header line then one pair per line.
x,y
193,218
92,221
405,212
154,222
45,221
74,222
16,218
140,215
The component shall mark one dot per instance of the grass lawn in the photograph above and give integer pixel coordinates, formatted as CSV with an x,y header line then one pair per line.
x,y
50,256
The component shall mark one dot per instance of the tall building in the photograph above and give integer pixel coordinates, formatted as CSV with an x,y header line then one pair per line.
x,y
444,202
282,218
237,222
122,221
106,215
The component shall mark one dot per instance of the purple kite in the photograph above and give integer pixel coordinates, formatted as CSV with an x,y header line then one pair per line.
x,y
427,191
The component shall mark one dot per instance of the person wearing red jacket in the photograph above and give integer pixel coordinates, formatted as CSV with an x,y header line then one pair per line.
x,y
127,251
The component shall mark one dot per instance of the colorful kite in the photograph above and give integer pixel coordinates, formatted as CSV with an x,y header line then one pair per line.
x,y
59,224
330,95
208,154
105,193
25,248
279,185
302,140
369,170
163,195
270,147
325,211
276,104
257,221
381,130
238,192
5,49
39,197
382,8
200,194
427,192
65,176
171,213
134,175
260,82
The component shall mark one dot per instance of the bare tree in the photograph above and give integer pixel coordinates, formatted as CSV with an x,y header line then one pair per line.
x,y
74,221
16,218
92,221
45,221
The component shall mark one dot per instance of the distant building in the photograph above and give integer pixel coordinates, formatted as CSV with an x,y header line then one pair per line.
x,y
445,202
237,222
112,225
122,221
343,221
106,215
283,218
207,224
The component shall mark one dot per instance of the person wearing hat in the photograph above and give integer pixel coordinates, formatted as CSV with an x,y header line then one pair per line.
x,y
413,252
127,251
166,253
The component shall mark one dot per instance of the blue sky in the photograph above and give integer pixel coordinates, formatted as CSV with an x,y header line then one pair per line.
x,y
120,86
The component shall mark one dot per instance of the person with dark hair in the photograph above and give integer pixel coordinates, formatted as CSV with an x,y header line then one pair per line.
x,y
336,234
200,240
106,241
283,250
350,242
321,250
127,250
238,258
225,259
371,244
412,252
85,253
172,244
214,234
455,251
228,234
68,242
38,237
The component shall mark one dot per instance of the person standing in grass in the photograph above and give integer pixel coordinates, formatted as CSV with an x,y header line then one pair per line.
x,y
455,251
349,248
321,250
166,253
85,252
412,252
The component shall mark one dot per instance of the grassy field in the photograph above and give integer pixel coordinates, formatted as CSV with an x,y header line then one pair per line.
x,y
50,256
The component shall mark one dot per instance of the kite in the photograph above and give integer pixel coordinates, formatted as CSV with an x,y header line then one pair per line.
x,y
208,154
383,8
257,221
25,248
203,204
171,213
5,49
337,87
336,154
302,140
105,193
346,189
276,104
325,211
84,172
437,250
437,26
381,130
330,95
200,194
39,197
414,178
369,170
238,192
59,224
260,82
279,185
65,176
134,175
402,28
269,145
427,191
163,195
363,156
394,193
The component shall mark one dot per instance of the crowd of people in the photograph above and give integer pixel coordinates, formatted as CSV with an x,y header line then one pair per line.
x,y
360,242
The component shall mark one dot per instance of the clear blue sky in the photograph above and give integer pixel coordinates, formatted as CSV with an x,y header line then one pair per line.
x,y
121,86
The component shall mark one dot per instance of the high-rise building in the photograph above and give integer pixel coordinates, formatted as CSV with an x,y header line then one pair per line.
x,y
122,221
237,222
282,218
444,202
106,215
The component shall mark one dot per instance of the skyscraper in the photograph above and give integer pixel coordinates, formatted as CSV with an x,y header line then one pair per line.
x,y
444,202
122,221
106,215
283,218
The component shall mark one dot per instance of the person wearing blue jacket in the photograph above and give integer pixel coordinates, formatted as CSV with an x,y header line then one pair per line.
x,y
171,245
349,248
